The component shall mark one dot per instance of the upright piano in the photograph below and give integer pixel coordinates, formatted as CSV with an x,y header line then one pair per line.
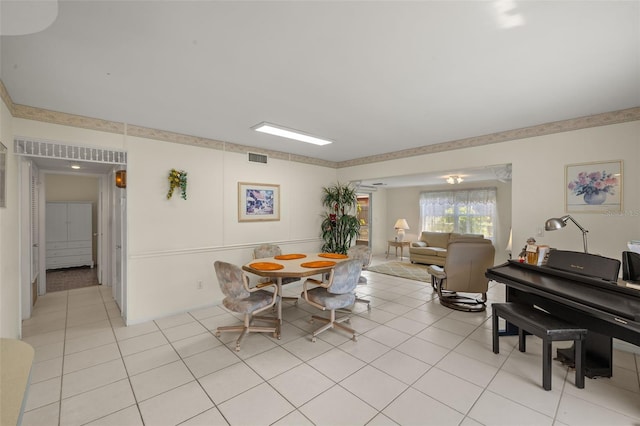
x,y
607,307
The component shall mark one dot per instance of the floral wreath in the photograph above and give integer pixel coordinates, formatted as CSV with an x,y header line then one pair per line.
x,y
177,179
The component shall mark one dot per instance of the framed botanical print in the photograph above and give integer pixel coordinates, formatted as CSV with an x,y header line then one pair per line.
x,y
593,187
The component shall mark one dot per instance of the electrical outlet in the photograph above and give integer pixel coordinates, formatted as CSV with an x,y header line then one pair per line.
x,y
539,231
200,285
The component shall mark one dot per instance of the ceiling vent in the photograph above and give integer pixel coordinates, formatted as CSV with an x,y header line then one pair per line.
x,y
257,158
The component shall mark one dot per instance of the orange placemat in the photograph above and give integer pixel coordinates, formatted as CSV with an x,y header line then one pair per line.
x,y
266,266
290,256
318,264
333,255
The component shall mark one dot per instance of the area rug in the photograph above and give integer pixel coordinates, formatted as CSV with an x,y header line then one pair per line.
x,y
403,270
70,278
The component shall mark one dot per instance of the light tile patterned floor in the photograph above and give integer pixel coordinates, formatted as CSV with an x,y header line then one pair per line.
x,y
415,362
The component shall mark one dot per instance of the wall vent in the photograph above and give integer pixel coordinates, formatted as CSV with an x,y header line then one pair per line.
x,y
257,158
49,149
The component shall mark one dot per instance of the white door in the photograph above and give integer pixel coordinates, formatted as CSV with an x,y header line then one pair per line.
x,y
119,250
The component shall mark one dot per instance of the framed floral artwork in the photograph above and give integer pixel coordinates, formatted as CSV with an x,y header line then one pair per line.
x,y
258,202
593,187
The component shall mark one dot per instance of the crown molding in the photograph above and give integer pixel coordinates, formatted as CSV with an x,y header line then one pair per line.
x,y
65,119
604,119
6,98
54,117
163,135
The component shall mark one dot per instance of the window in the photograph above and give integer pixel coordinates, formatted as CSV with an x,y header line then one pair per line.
x,y
471,211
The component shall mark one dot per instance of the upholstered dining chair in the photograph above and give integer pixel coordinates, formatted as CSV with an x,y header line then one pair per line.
x,y
270,250
362,253
240,298
335,293
464,272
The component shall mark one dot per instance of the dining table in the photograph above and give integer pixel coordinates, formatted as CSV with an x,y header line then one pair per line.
x,y
293,265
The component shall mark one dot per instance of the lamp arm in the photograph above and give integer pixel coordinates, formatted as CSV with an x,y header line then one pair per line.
x,y
584,232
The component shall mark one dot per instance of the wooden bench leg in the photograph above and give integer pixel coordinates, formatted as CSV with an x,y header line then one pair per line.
x,y
522,340
578,356
496,342
546,364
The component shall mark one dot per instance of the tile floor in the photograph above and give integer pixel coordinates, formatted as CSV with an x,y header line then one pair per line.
x,y
415,363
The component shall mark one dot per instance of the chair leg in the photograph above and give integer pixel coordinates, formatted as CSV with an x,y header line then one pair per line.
x,y
332,322
246,328
368,302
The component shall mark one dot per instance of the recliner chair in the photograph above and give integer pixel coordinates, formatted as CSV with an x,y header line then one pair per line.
x,y
464,272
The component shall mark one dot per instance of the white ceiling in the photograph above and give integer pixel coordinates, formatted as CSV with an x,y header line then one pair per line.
x,y
373,76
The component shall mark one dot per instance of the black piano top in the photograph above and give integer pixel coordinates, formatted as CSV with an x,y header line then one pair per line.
x,y
607,296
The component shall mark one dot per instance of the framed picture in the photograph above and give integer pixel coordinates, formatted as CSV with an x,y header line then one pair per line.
x,y
593,187
258,202
3,175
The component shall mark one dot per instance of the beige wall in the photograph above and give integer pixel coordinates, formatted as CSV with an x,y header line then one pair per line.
x,y
538,185
172,244
10,312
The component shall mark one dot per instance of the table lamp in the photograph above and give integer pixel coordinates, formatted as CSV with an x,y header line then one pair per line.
x,y
560,222
400,226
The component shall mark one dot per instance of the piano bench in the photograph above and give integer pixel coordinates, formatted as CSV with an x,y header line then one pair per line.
x,y
548,328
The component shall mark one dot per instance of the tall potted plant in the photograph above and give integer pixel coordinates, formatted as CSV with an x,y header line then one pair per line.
x,y
340,224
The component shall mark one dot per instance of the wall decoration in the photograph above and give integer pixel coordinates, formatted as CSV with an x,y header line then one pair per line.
x,y
258,202
3,175
177,179
593,187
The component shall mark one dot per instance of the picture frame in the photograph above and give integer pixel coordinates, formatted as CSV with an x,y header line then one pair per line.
x,y
594,187
258,202
3,175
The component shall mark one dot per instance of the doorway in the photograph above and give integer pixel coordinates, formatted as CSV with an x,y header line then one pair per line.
x,y
38,162
364,217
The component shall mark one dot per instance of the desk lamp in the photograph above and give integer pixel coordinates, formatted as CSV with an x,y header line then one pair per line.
x,y
560,222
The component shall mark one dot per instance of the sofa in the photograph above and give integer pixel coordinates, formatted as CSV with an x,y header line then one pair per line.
x,y
431,247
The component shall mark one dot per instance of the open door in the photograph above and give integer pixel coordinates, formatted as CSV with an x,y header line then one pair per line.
x,y
118,249
364,216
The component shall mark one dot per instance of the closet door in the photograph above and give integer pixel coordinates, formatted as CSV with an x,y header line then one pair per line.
x,y
79,222
56,222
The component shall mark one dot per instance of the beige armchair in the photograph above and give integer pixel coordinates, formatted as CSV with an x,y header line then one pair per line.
x,y
464,272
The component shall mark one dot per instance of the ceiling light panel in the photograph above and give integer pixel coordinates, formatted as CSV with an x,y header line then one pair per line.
x,y
274,129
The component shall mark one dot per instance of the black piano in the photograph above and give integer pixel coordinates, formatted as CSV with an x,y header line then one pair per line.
x,y
582,289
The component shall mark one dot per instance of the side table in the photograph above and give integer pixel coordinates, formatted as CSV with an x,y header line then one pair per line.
x,y
396,244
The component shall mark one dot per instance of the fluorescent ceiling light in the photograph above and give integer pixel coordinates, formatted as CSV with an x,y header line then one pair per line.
x,y
274,129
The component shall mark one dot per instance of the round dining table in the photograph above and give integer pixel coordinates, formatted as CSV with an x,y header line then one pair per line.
x,y
293,265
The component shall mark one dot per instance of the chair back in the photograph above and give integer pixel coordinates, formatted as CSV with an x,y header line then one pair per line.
x,y
466,263
345,277
233,282
362,253
266,250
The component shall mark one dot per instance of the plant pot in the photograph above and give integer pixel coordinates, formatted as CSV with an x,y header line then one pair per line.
x,y
595,198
